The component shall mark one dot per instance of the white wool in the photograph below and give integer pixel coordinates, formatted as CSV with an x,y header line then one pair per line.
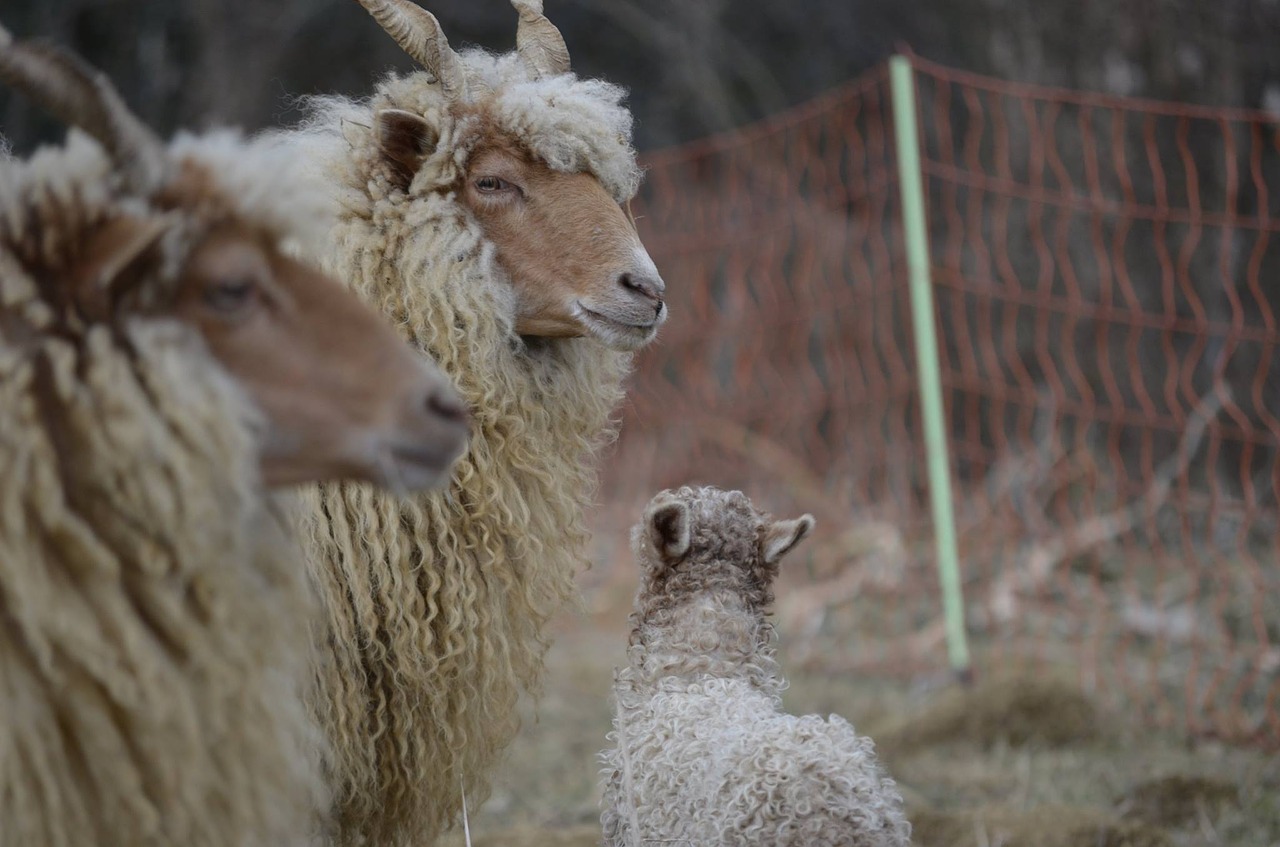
x,y
702,751
439,603
716,761
258,181
574,125
263,182
157,649
154,658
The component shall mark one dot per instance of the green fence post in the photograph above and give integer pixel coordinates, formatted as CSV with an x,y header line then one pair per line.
x,y
902,92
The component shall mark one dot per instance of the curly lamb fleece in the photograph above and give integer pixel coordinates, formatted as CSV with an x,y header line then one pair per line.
x,y
153,618
438,604
703,754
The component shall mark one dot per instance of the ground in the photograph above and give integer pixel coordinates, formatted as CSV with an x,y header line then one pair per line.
x,y
1013,761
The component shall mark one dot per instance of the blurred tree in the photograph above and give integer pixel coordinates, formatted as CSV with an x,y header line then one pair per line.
x,y
694,66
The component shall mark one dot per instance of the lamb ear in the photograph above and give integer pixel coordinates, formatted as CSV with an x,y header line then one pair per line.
x,y
405,139
668,526
781,536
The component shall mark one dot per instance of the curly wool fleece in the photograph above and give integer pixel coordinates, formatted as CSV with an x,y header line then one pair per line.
x,y
438,604
703,753
153,620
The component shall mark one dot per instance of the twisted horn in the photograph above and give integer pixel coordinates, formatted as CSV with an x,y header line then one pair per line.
x,y
79,95
538,41
419,34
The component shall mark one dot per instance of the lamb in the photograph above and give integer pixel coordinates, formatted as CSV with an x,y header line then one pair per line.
x,y
482,208
702,753
162,362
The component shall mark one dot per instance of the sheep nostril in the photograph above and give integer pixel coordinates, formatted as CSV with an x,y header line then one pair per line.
x,y
446,405
646,286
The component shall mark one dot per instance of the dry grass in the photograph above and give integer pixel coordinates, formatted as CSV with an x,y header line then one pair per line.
x,y
1013,761
1044,826
1018,759
587,835
1017,709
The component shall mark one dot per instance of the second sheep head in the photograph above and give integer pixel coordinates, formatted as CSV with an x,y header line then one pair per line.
x,y
542,161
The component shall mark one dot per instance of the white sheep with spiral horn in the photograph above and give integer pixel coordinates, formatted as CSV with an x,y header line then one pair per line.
x,y
482,206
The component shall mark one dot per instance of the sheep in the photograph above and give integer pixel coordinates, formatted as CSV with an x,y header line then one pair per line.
x,y
482,207
163,363
702,753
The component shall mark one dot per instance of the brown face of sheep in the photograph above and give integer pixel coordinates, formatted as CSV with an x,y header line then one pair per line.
x,y
343,395
572,253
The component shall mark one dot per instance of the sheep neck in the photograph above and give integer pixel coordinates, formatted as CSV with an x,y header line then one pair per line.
x,y
715,633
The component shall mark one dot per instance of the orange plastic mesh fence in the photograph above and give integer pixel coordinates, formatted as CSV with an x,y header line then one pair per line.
x,y
1107,275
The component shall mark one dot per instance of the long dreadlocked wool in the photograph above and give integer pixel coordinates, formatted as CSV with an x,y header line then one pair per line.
x,y
153,619
438,604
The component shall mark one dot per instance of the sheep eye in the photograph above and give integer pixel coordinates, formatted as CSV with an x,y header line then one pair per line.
x,y
229,295
490,184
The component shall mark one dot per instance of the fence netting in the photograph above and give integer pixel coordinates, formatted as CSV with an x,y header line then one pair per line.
x,y
1106,277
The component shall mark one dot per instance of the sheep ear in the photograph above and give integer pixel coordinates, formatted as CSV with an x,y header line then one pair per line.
x,y
112,261
781,536
668,524
405,139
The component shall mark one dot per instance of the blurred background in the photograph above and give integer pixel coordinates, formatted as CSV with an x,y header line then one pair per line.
x,y
693,67
1102,183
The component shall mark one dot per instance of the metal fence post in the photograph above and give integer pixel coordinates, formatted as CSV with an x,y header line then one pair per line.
x,y
902,92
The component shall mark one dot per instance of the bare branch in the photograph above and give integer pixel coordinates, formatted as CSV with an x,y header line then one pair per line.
x,y
1044,557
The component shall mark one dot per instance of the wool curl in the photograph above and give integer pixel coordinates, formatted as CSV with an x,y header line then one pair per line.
x,y
702,751
153,613
54,198
438,604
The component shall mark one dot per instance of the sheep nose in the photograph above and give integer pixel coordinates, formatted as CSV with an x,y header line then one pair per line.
x,y
447,405
649,286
